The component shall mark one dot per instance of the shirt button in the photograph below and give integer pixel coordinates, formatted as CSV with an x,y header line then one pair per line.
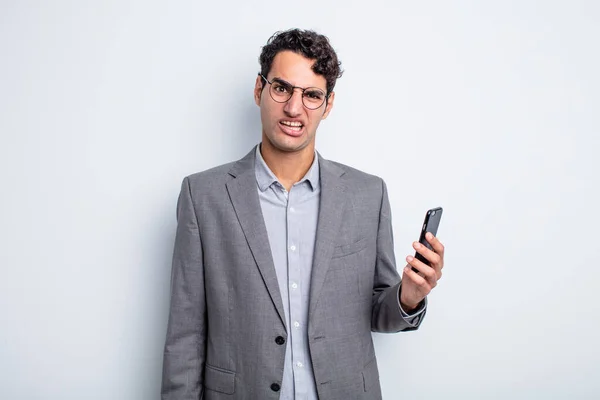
x,y
293,248
275,387
292,209
279,340
300,365
294,285
297,324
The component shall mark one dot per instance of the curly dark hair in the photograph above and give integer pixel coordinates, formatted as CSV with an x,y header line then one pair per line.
x,y
311,45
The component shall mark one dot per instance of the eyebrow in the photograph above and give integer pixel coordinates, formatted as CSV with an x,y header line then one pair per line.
x,y
281,81
284,82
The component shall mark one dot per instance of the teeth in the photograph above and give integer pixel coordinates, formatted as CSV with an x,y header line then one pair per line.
x,y
290,123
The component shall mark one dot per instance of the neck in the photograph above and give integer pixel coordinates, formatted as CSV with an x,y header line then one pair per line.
x,y
288,167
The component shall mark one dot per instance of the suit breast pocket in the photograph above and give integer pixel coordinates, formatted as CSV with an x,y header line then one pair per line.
x,y
350,248
348,261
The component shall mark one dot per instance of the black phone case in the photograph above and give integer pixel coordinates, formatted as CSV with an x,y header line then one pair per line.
x,y
430,224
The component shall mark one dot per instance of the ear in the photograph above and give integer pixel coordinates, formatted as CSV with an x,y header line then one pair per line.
x,y
258,87
329,105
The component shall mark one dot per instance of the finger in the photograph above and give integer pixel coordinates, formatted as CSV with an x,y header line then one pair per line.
x,y
429,254
427,273
434,259
436,262
438,247
417,280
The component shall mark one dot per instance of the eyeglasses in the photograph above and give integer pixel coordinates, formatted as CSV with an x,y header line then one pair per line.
x,y
281,91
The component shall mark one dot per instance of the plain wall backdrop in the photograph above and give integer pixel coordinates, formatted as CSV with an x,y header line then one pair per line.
x,y
489,109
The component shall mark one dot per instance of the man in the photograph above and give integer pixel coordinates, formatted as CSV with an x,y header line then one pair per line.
x,y
284,261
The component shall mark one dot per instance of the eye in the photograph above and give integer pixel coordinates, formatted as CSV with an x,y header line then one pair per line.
x,y
314,94
278,87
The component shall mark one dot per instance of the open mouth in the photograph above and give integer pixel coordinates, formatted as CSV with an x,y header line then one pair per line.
x,y
291,127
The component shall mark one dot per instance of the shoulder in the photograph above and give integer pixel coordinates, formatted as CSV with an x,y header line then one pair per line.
x,y
212,177
359,180
217,177
366,192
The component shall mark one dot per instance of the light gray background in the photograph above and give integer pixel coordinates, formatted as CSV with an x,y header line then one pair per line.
x,y
489,109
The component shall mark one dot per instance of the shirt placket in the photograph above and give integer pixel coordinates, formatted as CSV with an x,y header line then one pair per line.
x,y
295,294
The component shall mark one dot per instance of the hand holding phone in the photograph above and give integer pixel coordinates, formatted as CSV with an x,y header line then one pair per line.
x,y
430,224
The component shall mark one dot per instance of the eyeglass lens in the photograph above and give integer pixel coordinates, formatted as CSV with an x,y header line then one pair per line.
x,y
311,97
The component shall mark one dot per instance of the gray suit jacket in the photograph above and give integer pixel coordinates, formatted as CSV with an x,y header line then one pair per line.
x,y
226,322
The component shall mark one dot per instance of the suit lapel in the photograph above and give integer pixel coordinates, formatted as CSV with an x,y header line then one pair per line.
x,y
330,217
243,193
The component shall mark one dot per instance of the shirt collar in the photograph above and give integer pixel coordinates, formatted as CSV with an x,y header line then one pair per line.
x,y
265,177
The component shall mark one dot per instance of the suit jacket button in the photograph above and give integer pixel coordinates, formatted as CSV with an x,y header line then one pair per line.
x,y
279,340
275,387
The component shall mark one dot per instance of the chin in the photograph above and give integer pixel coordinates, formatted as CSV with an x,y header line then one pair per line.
x,y
288,148
282,142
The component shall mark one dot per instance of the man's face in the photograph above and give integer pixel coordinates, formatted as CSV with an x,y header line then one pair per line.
x,y
279,119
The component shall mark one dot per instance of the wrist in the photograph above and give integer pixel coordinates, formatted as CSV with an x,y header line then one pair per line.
x,y
408,307
406,304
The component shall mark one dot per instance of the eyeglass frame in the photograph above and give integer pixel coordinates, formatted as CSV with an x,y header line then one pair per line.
x,y
292,92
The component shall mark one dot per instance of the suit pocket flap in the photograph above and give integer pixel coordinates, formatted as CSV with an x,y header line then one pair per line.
x,y
370,375
347,249
219,380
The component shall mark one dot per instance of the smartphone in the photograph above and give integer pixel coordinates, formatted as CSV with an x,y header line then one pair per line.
x,y
430,224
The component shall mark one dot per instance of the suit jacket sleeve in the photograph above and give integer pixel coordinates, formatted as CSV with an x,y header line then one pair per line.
x,y
386,313
184,352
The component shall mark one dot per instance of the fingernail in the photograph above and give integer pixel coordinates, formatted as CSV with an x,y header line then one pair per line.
x,y
429,235
409,258
416,245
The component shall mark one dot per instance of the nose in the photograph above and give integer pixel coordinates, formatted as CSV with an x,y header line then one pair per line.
x,y
294,105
